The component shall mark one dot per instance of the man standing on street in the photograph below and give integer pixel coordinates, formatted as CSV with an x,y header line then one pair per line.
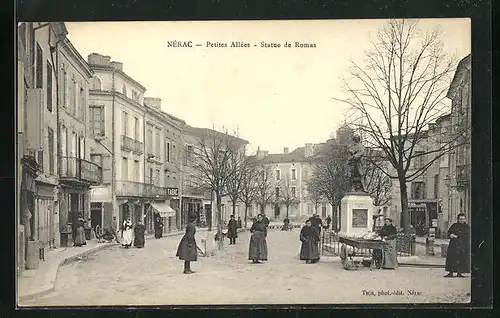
x,y
232,230
328,221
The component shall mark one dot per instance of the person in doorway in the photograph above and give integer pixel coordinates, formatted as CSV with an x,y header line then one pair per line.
x,y
80,232
309,237
187,250
158,227
240,225
258,245
127,233
388,233
232,230
139,231
328,222
457,256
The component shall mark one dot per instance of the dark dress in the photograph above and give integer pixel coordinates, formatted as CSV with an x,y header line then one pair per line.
x,y
80,234
232,229
389,253
258,245
458,257
309,250
286,224
187,246
139,235
158,227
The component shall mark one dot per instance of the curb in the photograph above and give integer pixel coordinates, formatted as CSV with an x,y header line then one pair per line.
x,y
62,262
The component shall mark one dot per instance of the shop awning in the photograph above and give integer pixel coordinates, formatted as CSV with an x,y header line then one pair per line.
x,y
164,209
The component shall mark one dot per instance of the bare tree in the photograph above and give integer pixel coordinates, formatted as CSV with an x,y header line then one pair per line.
x,y
213,155
330,176
397,93
235,182
287,196
249,175
314,193
375,181
265,187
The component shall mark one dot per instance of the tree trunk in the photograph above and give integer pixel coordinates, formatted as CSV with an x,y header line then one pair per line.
x,y
339,216
262,209
287,211
220,242
246,215
404,205
234,209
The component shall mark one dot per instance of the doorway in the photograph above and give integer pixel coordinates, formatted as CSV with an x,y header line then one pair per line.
x,y
96,215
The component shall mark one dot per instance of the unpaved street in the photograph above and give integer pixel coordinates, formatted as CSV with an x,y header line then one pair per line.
x,y
153,276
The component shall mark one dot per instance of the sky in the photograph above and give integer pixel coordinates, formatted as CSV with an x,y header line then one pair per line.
x,y
275,97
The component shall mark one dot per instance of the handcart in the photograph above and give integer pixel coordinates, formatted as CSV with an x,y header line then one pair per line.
x,y
360,245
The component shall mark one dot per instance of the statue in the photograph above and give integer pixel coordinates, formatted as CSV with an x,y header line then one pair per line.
x,y
356,151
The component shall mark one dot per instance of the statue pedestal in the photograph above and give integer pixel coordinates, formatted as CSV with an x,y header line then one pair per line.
x,y
357,210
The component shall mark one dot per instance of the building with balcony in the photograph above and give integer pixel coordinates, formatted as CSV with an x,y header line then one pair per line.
x,y
460,158
37,130
77,173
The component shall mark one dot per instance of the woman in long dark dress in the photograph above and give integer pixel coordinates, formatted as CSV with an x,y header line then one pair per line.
x,y
309,250
158,227
186,250
258,245
139,231
388,233
80,233
457,256
232,230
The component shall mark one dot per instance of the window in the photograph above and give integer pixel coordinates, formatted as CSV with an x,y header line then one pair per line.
x,y
96,120
277,193
124,169
278,174
167,151
149,144
158,144
136,128
51,150
436,186
150,175
82,148
293,192
39,66
137,170
294,174
124,90
71,105
418,160
157,177
82,103
189,154
418,190
174,154
73,98
49,87
96,83
64,142
124,123
64,88
97,159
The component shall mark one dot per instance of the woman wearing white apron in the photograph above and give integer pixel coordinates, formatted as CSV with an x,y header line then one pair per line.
x,y
127,233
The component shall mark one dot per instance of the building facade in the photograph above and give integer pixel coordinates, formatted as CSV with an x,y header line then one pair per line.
x,y
460,94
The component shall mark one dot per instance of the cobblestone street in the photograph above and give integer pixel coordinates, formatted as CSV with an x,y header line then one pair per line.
x,y
153,276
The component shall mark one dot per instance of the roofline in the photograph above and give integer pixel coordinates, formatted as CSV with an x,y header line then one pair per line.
x,y
81,61
460,65
95,67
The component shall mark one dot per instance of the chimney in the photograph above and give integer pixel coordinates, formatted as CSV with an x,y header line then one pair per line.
x,y
98,59
285,150
308,151
261,154
117,65
153,102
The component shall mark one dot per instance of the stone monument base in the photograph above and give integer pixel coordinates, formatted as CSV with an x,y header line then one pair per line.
x,y
357,210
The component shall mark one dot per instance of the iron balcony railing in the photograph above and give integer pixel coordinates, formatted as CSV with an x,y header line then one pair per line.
x,y
140,190
130,144
77,169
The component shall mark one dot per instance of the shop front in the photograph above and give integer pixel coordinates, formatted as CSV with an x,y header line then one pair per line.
x,y
160,213
422,213
191,209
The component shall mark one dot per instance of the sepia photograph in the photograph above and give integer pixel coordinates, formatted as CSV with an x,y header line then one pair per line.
x,y
243,162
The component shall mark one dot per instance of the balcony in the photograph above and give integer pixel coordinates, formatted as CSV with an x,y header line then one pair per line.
x,y
75,170
133,189
130,144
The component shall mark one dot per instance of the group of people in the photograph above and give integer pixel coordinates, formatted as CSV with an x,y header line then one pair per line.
x,y
132,234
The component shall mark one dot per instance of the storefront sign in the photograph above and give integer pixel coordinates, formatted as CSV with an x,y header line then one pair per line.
x,y
173,192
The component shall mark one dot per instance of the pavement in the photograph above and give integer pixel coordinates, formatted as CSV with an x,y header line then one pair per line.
x,y
153,276
37,282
